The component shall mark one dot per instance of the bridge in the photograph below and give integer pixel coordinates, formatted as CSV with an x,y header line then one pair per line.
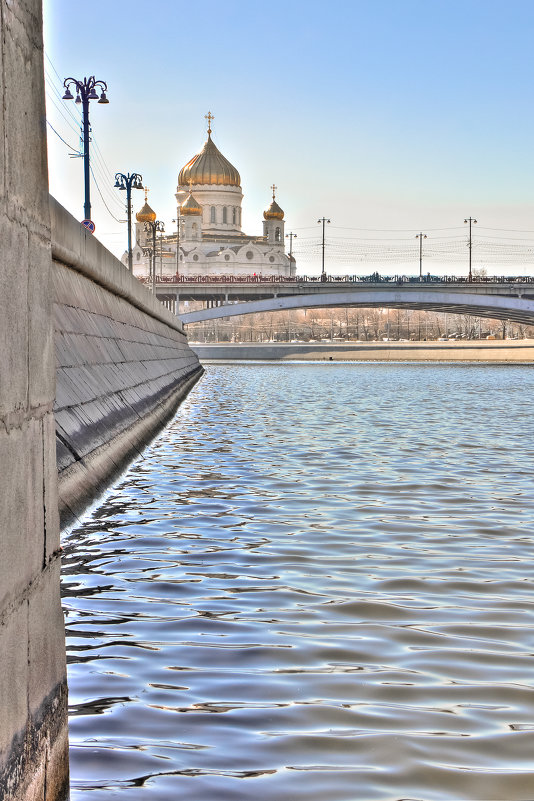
x,y
499,297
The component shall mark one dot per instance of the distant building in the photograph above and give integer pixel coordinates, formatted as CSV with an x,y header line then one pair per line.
x,y
210,240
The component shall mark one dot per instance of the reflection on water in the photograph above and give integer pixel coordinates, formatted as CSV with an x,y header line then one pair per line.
x,y
317,584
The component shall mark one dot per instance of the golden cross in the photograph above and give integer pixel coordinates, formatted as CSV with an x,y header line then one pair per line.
x,y
274,188
146,194
209,117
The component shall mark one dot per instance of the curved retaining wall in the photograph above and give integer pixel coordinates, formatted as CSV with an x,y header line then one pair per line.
x,y
33,681
471,351
123,363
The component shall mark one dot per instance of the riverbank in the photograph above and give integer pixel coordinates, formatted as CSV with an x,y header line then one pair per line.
x,y
466,351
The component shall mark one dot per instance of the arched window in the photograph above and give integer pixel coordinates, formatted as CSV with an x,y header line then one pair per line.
x,y
212,218
194,229
225,214
233,215
277,235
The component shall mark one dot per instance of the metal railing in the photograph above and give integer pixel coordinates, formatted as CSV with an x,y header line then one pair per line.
x,y
375,278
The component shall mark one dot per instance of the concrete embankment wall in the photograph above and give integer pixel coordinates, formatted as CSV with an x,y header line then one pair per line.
x,y
472,351
33,710
123,363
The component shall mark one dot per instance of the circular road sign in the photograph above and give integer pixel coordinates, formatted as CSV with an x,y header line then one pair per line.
x,y
89,224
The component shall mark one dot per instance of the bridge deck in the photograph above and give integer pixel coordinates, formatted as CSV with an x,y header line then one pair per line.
x,y
236,289
506,299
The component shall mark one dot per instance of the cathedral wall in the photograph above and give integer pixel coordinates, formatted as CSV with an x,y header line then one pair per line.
x,y
219,197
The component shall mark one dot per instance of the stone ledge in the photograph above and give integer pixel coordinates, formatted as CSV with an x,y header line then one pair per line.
x,y
74,247
83,481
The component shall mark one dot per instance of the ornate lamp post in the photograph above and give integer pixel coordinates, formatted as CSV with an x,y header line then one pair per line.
x,y
154,226
177,221
470,220
290,236
129,182
86,91
420,237
323,220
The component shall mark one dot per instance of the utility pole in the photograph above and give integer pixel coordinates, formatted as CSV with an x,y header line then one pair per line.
x,y
420,237
323,220
291,235
471,221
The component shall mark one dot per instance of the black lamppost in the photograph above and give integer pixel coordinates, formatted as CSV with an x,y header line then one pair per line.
x,y
157,225
86,91
323,220
470,220
290,236
129,182
420,237
177,221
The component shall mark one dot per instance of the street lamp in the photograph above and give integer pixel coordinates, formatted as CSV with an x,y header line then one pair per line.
x,y
157,225
470,220
129,182
290,236
420,237
323,220
86,91
177,221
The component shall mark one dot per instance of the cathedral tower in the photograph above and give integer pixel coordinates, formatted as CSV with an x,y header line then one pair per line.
x,y
273,223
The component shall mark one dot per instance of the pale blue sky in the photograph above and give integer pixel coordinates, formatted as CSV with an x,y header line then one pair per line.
x,y
382,114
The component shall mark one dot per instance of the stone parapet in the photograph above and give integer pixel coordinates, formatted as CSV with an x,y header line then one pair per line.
x,y
123,364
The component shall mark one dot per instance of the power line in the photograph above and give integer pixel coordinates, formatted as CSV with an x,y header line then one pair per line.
x,y
60,137
102,197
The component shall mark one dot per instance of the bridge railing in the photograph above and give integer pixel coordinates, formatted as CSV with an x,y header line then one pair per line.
x,y
218,279
375,278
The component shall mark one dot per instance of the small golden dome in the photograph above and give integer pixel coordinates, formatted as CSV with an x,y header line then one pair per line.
x,y
146,214
274,212
209,167
190,206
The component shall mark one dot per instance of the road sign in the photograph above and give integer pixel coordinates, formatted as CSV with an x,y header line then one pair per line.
x,y
89,224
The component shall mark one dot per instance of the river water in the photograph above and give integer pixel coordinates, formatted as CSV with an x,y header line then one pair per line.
x,y
316,584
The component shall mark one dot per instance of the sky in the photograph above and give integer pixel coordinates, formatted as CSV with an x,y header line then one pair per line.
x,y
388,117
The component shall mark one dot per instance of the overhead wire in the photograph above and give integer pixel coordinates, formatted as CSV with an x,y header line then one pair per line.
x,y
60,137
102,197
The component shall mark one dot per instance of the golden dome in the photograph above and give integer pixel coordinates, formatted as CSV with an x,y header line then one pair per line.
x,y
190,206
209,167
274,212
146,214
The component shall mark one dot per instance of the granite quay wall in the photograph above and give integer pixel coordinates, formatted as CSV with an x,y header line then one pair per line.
x,y
33,712
471,351
123,364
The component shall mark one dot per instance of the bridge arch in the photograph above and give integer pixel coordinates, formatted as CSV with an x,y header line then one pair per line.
x,y
518,309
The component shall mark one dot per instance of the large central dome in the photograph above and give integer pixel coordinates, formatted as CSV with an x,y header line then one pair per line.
x,y
209,167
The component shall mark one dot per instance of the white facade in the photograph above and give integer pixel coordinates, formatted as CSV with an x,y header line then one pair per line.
x,y
211,242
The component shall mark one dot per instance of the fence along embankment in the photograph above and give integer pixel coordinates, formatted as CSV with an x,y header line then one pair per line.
x,y
123,363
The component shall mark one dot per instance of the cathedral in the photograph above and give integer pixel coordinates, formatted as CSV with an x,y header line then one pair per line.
x,y
208,240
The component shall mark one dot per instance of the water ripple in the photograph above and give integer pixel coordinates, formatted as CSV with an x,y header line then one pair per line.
x,y
316,584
